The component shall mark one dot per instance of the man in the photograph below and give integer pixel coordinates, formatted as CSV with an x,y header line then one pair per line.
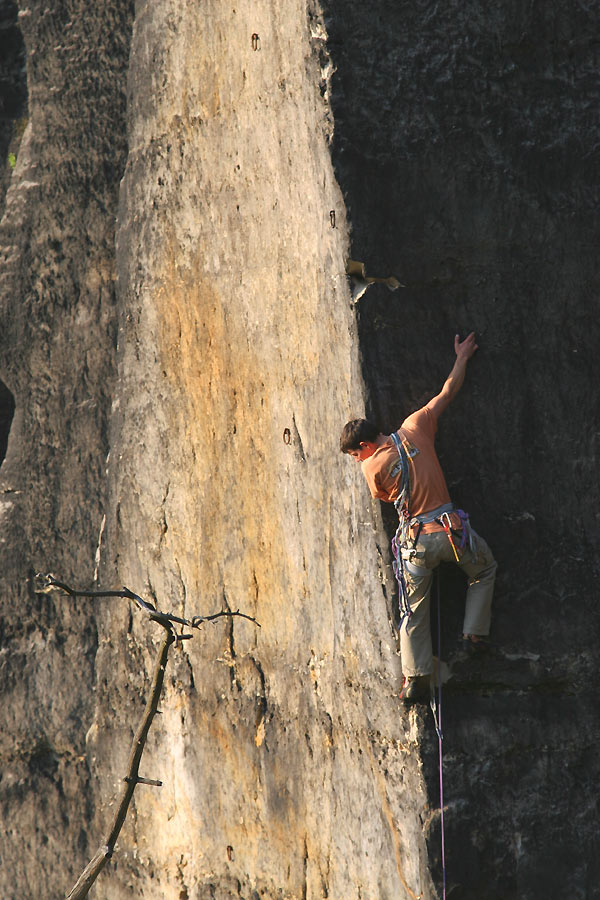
x,y
404,469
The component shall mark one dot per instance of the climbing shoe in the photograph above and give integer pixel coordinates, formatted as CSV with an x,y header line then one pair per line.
x,y
475,645
416,688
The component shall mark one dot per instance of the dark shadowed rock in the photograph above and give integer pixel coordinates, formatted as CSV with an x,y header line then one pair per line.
x,y
178,351
467,151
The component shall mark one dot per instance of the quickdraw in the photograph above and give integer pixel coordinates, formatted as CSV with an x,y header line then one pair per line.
x,y
446,524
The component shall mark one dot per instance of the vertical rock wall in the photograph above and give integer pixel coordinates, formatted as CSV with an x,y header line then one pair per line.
x,y
181,348
207,402
466,144
57,336
237,362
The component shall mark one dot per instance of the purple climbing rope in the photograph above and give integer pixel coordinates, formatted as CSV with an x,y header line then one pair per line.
x,y
440,736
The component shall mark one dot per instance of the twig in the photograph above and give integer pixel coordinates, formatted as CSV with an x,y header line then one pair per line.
x,y
82,886
47,583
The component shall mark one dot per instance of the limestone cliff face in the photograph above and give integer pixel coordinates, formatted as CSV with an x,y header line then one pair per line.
x,y
57,362
184,441
236,358
180,342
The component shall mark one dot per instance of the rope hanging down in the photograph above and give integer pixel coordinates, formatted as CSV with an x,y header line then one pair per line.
x,y
436,709
402,504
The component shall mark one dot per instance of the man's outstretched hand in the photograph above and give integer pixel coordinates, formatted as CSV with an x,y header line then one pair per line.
x,y
465,349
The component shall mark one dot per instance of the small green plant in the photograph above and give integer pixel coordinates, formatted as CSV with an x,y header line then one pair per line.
x,y
12,160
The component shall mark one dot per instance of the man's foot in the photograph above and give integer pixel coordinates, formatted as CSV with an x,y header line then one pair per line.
x,y
416,688
475,644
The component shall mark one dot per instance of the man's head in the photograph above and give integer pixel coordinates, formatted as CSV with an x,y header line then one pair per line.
x,y
359,439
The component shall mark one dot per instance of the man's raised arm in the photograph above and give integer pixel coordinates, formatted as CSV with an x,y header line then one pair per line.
x,y
464,351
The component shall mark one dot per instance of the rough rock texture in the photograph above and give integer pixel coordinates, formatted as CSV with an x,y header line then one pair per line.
x,y
236,330
58,331
466,144
234,324
182,349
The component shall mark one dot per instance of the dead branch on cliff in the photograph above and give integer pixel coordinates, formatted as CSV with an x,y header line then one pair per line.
x,y
49,583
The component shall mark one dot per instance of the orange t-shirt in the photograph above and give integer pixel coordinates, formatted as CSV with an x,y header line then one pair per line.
x,y
428,488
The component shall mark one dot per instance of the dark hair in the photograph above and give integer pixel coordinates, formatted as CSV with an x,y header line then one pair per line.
x,y
356,431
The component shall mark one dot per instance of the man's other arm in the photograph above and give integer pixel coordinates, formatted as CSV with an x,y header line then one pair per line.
x,y
464,351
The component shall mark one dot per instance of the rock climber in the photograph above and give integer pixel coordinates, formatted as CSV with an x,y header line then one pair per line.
x,y
403,468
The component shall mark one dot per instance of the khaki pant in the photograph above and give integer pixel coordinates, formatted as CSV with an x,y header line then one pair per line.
x,y
478,565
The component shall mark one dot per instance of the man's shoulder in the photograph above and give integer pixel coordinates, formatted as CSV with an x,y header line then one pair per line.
x,y
378,464
380,470
421,420
378,458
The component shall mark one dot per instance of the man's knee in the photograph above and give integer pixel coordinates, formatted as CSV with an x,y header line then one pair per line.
x,y
484,573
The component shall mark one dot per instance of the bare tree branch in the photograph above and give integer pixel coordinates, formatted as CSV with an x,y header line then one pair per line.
x,y
47,583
